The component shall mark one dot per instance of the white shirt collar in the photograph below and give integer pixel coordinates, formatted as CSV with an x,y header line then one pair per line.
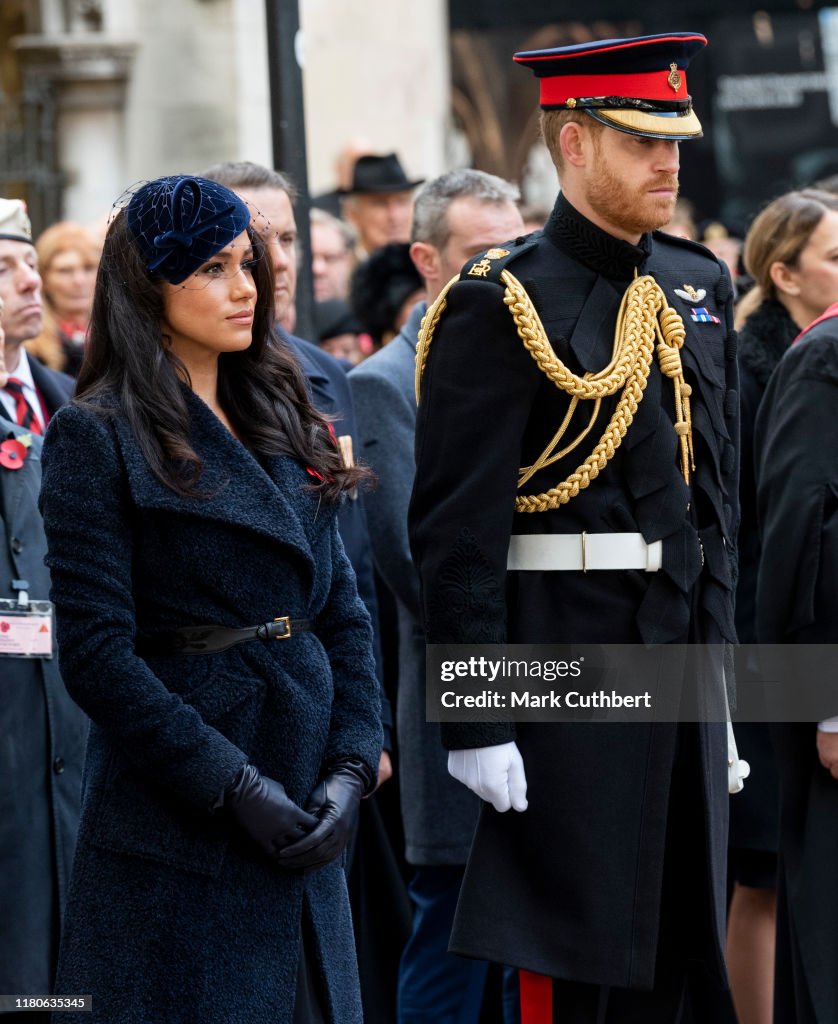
x,y
23,371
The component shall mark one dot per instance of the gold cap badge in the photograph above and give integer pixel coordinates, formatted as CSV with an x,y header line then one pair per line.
x,y
674,78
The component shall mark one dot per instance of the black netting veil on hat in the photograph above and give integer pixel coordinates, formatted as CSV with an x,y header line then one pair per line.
x,y
181,222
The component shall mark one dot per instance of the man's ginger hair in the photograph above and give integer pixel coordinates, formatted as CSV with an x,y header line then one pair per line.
x,y
552,122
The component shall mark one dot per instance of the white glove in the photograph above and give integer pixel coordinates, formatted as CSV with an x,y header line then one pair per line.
x,y
737,770
495,774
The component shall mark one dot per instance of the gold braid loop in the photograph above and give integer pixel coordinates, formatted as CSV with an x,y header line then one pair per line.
x,y
608,444
531,331
671,335
643,318
635,332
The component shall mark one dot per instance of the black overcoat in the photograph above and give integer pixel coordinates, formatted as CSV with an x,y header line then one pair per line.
x,y
173,914
764,337
42,743
796,442
331,395
571,887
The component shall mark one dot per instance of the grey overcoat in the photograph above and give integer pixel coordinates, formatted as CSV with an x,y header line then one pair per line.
x,y
439,814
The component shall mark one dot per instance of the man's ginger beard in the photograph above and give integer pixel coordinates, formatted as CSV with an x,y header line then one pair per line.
x,y
626,206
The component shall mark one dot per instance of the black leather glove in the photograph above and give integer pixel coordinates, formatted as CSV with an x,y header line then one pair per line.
x,y
263,809
335,802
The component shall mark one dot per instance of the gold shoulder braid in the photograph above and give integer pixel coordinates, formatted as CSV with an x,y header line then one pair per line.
x,y
644,316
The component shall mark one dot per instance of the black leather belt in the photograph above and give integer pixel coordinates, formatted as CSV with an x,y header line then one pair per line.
x,y
215,639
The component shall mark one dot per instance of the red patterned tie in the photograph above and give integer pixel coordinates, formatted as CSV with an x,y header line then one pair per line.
x,y
24,416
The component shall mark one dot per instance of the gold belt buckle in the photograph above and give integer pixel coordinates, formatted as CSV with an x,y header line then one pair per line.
x,y
287,620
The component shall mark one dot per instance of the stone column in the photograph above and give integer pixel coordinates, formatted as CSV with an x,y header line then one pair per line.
x,y
252,95
377,71
88,72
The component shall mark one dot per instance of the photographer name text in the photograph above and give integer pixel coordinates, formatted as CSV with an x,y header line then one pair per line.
x,y
551,699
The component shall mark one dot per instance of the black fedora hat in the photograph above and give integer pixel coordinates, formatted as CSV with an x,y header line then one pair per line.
x,y
333,317
378,174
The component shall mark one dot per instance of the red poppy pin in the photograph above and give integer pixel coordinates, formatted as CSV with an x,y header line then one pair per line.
x,y
311,470
13,452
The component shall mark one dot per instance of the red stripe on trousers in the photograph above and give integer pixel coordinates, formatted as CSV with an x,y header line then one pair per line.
x,y
536,998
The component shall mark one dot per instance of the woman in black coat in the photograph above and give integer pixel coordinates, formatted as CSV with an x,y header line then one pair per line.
x,y
795,442
209,623
788,239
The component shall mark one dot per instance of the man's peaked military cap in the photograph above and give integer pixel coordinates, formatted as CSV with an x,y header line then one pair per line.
x,y
638,85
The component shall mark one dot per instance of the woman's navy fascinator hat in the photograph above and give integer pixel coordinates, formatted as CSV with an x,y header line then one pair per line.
x,y
180,222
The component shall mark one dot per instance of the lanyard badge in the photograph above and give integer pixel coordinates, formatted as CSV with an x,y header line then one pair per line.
x,y
27,628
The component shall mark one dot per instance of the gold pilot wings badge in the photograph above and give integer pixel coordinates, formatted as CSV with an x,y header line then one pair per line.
x,y
690,294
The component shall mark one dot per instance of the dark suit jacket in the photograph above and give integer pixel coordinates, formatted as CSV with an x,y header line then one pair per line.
x,y
200,911
42,744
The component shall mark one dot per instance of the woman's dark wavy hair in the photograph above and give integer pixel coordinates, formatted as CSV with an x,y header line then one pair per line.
x,y
261,389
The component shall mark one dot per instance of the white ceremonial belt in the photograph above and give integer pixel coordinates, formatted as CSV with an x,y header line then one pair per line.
x,y
534,552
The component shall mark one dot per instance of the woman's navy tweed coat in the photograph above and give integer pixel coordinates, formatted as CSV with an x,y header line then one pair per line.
x,y
173,914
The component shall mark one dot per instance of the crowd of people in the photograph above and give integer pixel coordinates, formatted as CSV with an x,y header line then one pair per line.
x,y
223,549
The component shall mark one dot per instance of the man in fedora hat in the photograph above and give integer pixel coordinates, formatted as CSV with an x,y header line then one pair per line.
x,y
379,201
568,493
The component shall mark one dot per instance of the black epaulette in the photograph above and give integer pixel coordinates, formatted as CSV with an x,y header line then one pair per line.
x,y
489,265
724,287
686,243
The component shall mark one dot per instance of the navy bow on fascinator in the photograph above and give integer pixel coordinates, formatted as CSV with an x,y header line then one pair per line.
x,y
179,223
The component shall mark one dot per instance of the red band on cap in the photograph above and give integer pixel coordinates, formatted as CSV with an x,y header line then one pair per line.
x,y
654,85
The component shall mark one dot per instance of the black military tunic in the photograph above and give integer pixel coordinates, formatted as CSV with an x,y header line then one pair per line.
x,y
571,888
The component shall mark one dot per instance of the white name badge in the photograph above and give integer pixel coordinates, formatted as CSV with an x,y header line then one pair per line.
x,y
26,632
